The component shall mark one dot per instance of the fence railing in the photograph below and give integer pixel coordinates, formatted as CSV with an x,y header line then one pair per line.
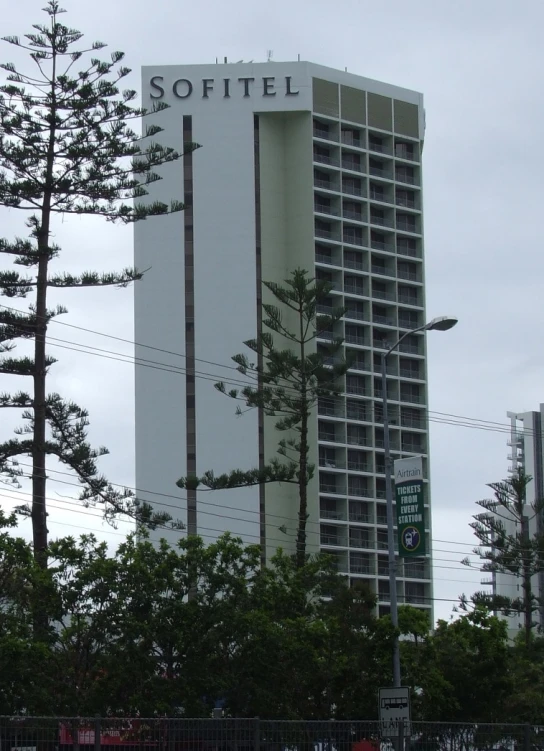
x,y
222,734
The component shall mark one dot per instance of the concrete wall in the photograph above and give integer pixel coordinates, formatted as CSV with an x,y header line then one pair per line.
x,y
286,177
224,274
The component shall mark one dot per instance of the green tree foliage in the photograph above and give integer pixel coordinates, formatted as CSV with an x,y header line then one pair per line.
x,y
281,642
508,547
526,701
288,377
472,657
23,661
66,147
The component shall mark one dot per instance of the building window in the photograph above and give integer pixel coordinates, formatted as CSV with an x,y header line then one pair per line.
x,y
404,174
323,254
415,593
356,410
358,486
351,137
359,511
321,130
330,508
356,435
327,457
406,198
377,192
404,150
357,462
355,334
355,385
407,271
353,210
326,431
351,162
353,259
352,185
408,319
359,537
354,285
406,223
355,310
376,143
360,563
328,483
353,235
408,295
330,535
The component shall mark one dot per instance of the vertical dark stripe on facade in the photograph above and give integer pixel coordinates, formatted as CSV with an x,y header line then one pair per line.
x,y
259,297
188,250
539,494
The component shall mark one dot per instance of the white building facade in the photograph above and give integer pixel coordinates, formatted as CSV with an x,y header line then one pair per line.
x,y
300,166
525,451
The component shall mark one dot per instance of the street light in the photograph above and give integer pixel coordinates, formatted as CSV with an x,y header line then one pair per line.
x,y
443,323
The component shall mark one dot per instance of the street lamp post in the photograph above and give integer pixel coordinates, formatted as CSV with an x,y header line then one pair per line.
x,y
437,324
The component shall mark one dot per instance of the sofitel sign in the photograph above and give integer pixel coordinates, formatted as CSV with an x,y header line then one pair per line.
x,y
182,88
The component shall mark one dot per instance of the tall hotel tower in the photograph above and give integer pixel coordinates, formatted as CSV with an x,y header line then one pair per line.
x,y
300,166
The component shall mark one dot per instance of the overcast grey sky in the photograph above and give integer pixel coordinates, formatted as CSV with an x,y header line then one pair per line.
x,y
479,66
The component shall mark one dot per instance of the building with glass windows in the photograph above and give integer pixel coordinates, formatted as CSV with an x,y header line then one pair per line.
x,y
300,166
525,446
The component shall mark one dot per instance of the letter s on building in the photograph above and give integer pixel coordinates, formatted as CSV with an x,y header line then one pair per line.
x,y
156,86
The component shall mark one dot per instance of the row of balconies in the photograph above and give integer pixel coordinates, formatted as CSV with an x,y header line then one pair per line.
x,y
362,512
337,231
406,176
342,279
339,458
362,436
386,313
334,457
356,512
369,538
401,272
364,538
367,410
360,385
398,366
367,139
357,212
333,158
401,437
361,336
397,391
359,193
330,241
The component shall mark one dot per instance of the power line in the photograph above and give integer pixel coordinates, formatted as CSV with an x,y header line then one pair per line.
x,y
442,417
249,521
180,371
283,541
127,341
222,515
202,503
213,537
459,421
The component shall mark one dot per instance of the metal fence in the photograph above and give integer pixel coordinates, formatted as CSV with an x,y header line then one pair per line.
x,y
173,734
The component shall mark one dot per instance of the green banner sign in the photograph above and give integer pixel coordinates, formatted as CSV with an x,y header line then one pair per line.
x,y
410,506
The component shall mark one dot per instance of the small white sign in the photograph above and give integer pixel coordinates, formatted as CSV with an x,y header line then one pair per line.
x,y
394,708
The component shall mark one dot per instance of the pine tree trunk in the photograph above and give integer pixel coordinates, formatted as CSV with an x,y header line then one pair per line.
x,y
303,490
39,516
39,482
526,585
303,461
